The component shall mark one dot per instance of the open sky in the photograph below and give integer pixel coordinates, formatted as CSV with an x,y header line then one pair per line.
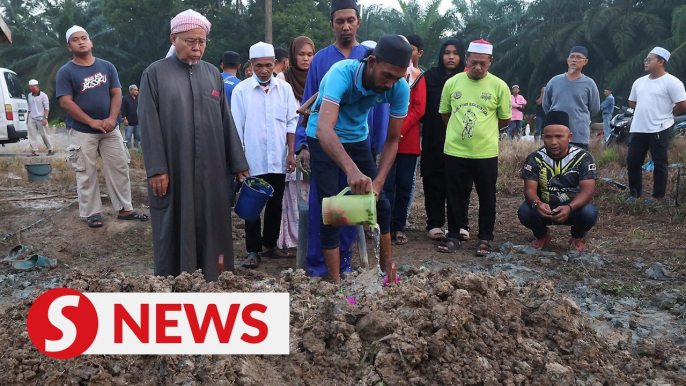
x,y
394,3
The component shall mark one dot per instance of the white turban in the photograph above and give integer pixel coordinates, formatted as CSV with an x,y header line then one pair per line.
x,y
74,30
262,50
188,20
661,52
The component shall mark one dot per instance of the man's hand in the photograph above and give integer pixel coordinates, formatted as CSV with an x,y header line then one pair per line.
x,y
110,124
303,161
98,124
126,122
562,214
159,184
45,121
543,210
240,176
359,183
290,163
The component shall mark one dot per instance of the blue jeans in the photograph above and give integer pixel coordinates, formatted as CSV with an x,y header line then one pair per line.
x,y
398,188
414,184
326,172
581,220
510,129
136,131
606,124
540,121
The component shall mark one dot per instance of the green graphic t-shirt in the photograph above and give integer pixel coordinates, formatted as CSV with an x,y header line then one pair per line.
x,y
475,107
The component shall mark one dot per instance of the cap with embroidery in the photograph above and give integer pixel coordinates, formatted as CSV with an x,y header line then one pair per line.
x,y
480,47
661,52
74,29
188,20
262,50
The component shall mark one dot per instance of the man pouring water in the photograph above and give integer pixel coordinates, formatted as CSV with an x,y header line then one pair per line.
x,y
337,132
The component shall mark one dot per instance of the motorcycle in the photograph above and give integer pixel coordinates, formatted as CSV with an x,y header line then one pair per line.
x,y
619,126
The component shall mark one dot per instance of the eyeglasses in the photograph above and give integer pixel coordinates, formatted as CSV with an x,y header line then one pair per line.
x,y
576,57
190,42
647,60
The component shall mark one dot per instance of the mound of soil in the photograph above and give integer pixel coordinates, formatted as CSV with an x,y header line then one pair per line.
x,y
449,327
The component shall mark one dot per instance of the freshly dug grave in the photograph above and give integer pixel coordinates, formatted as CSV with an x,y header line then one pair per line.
x,y
436,328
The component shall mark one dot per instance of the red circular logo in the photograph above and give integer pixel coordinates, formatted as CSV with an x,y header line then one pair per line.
x,y
62,323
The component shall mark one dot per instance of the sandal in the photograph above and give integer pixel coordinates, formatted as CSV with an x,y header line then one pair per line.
x,y
540,243
17,251
95,221
483,245
33,154
276,253
134,216
409,227
400,238
449,245
34,261
464,235
252,261
577,244
436,234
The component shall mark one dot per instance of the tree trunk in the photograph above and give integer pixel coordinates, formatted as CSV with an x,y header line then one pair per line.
x,y
268,22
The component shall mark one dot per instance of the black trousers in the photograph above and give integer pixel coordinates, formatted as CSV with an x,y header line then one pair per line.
x,y
639,144
254,237
434,200
459,175
398,188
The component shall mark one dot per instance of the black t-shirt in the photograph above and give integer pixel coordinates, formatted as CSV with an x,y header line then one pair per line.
x,y
539,108
129,110
558,180
90,87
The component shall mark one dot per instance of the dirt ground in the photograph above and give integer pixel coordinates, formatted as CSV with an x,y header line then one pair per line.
x,y
613,315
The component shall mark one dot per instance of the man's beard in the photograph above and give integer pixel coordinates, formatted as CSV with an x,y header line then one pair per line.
x,y
192,63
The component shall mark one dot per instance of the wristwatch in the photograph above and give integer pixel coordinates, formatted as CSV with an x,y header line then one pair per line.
x,y
535,204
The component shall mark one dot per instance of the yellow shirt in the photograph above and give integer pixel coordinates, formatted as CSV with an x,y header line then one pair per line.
x,y
474,107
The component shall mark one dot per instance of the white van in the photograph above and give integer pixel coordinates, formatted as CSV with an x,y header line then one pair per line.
x,y
16,108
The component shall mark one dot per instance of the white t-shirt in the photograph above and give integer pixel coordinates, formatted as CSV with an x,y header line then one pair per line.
x,y
655,99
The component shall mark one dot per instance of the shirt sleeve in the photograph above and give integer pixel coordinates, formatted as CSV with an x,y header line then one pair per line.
x,y
588,170
335,85
401,100
444,104
311,87
548,97
114,77
123,107
417,107
238,110
63,84
632,95
593,100
531,168
291,108
46,102
677,92
504,105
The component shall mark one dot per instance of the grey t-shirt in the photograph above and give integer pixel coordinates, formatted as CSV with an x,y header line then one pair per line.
x,y
578,98
90,87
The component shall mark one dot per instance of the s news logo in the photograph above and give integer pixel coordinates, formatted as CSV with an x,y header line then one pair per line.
x,y
64,323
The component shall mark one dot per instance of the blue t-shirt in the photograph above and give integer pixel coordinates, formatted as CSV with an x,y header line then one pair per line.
x,y
608,105
230,82
90,87
342,86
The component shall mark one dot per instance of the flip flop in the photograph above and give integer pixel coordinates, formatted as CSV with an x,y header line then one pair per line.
x,y
252,261
34,261
436,234
483,245
400,238
17,251
272,253
449,245
577,244
93,219
135,215
540,243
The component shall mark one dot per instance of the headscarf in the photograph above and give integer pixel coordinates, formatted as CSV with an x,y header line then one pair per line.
x,y
294,75
436,75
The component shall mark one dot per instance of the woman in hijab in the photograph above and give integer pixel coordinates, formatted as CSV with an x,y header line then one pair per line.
x,y
299,56
451,61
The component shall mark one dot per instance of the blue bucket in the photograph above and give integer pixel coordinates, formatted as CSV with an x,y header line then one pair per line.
x,y
253,198
39,172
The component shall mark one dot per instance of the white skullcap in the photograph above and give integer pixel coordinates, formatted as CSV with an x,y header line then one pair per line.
x,y
188,20
662,52
33,82
262,50
480,47
369,44
74,30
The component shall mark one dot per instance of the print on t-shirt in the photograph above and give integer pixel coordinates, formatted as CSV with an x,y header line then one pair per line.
x,y
93,81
